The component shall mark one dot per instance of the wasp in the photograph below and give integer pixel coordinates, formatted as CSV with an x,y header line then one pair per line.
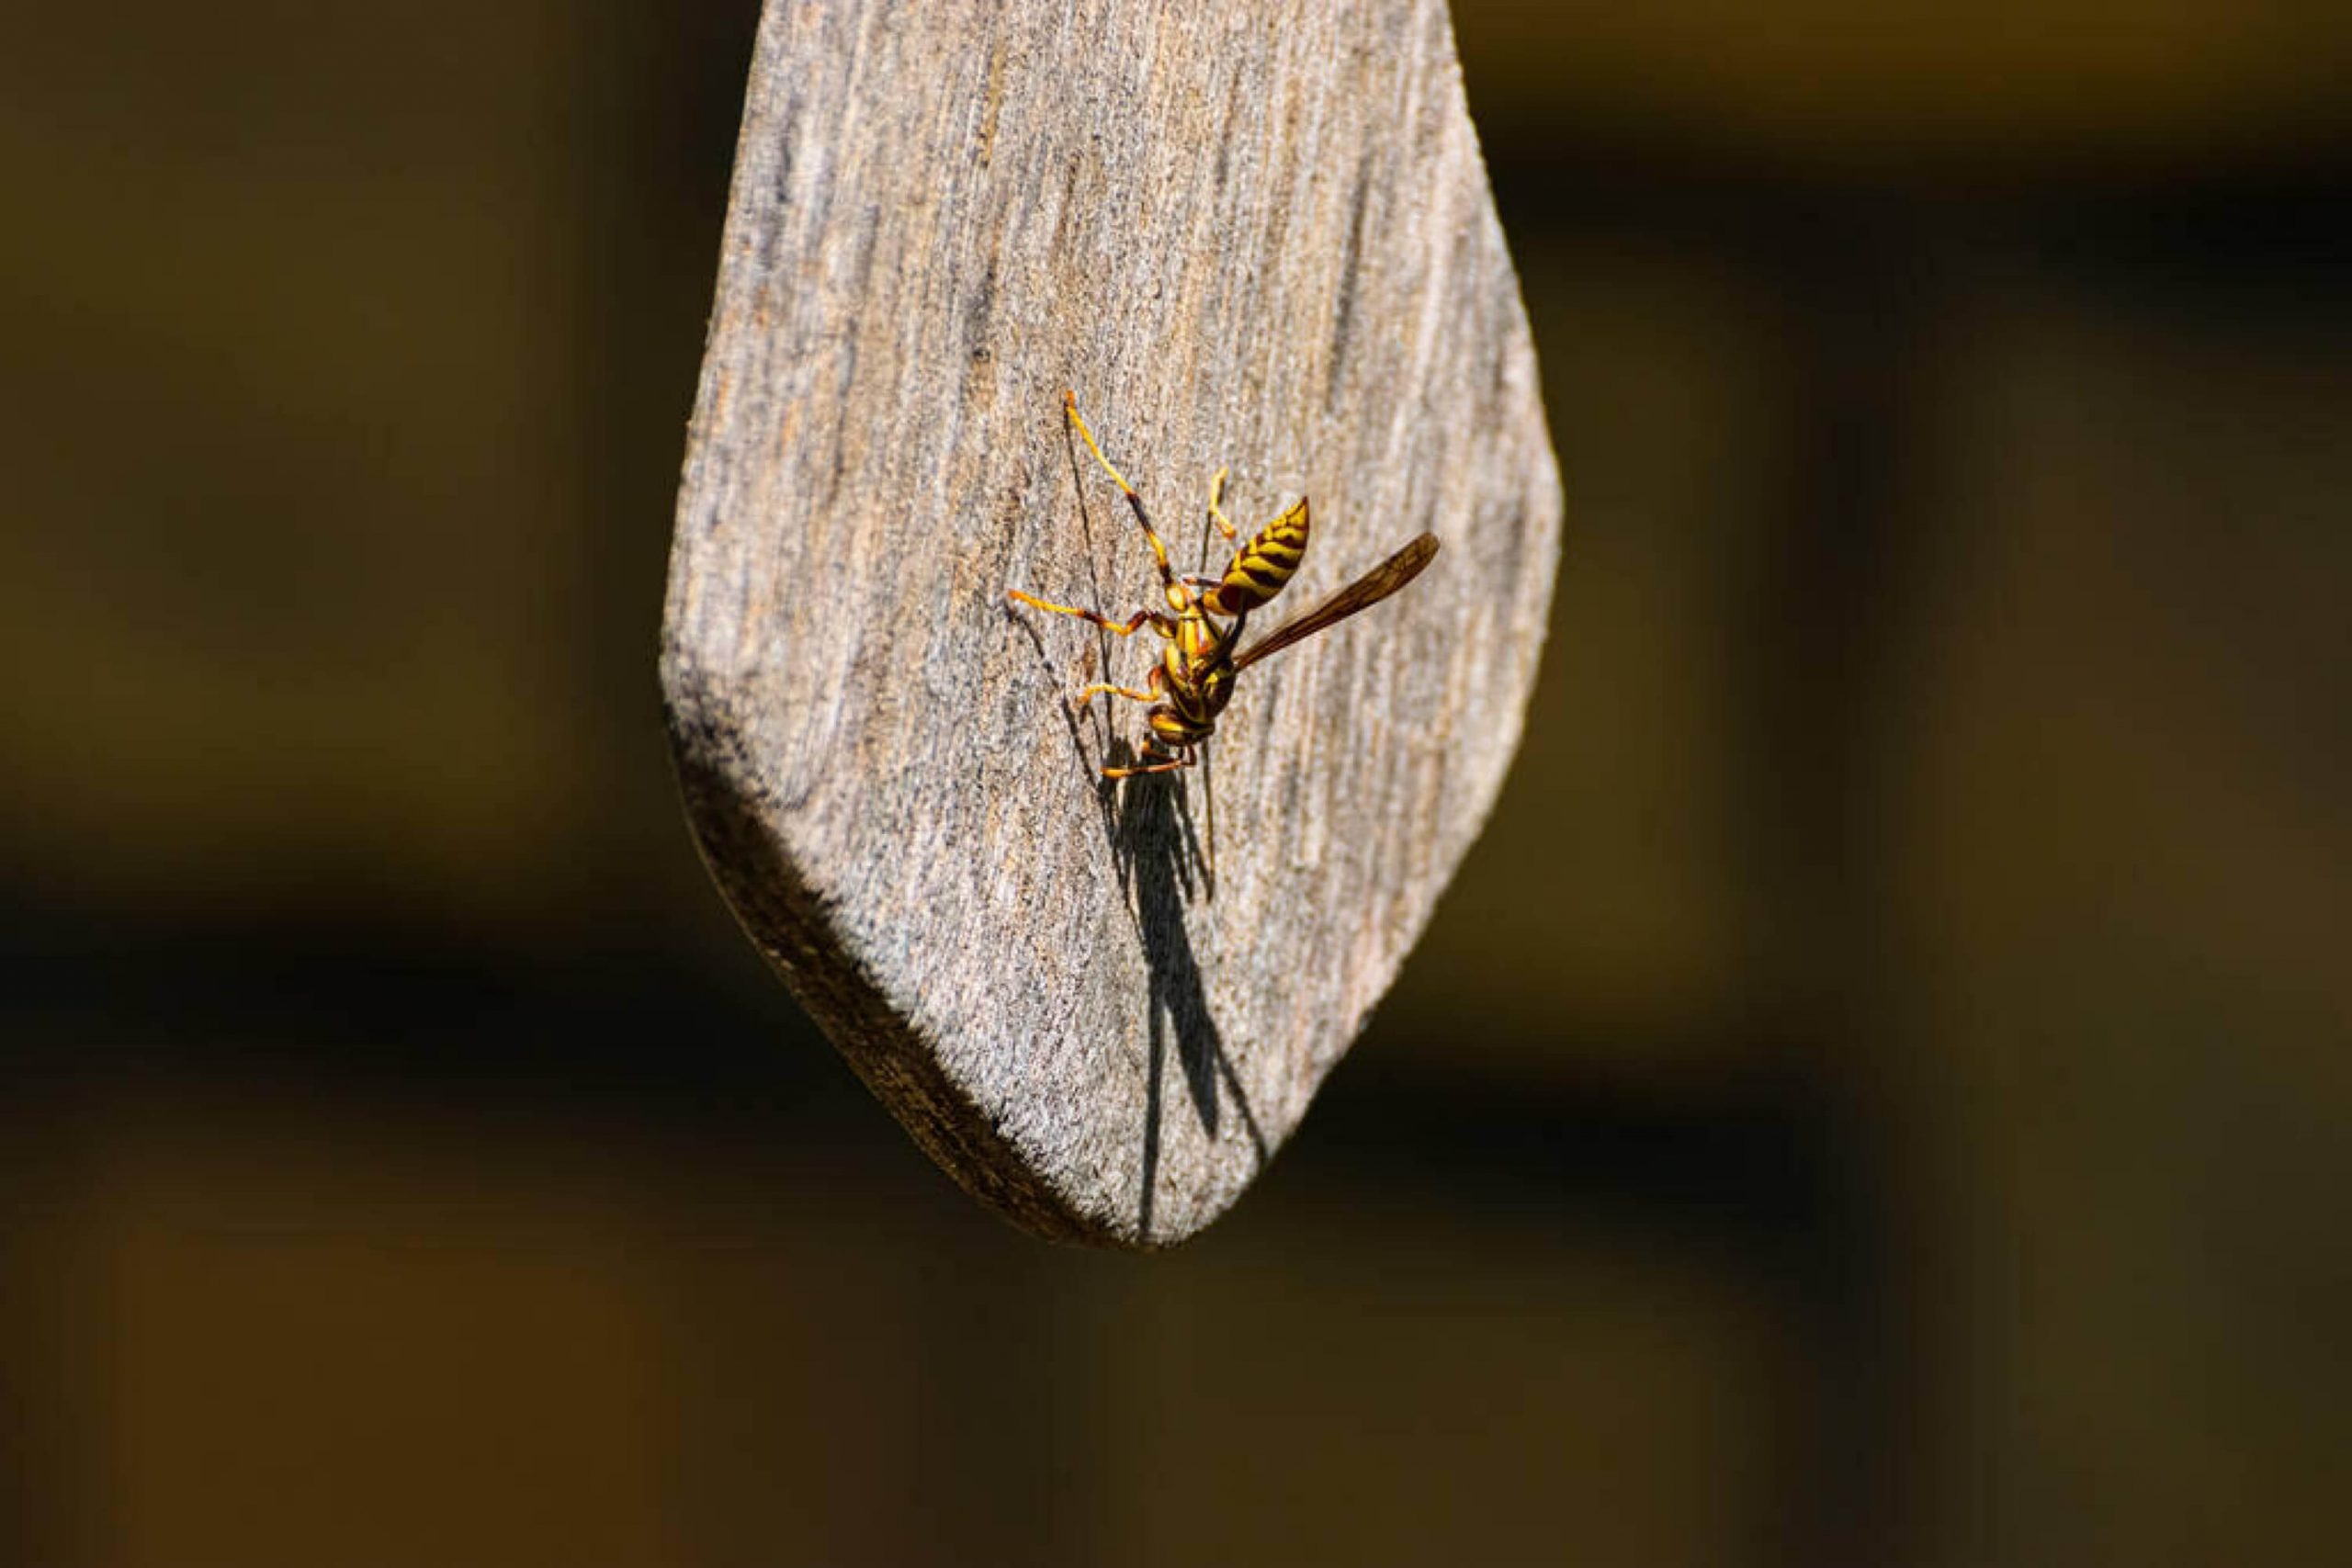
x,y
1203,618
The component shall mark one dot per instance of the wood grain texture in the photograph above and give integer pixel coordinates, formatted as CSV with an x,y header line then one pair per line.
x,y
1254,236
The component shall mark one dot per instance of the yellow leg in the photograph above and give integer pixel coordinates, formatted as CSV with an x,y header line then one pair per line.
x,y
1070,408
1185,761
1128,627
1115,690
1149,692
1135,501
1216,493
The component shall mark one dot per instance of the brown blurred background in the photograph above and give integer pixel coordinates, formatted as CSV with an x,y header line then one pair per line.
x,y
1878,1094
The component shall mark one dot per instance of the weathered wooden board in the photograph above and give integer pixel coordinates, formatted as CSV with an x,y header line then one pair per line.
x,y
1249,235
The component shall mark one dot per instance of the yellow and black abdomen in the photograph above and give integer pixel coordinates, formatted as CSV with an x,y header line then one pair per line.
x,y
1262,566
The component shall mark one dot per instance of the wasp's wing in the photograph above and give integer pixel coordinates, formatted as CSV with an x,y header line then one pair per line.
x,y
1363,593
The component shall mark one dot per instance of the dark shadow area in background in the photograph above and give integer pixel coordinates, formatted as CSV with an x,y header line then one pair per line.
x,y
2274,235
380,1016
1860,272
647,1053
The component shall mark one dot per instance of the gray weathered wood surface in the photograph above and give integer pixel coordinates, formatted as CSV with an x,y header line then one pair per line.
x,y
1249,235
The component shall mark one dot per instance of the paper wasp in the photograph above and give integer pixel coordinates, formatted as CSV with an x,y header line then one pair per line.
x,y
1193,680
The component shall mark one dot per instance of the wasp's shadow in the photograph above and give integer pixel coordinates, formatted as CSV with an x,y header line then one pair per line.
x,y
1164,866
1162,870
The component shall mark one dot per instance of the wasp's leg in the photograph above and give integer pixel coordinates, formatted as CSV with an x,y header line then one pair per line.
x,y
1135,501
1224,523
1169,766
1128,627
1115,690
1148,692
1157,762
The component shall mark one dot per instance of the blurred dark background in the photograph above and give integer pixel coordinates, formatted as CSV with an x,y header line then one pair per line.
x,y
1879,1093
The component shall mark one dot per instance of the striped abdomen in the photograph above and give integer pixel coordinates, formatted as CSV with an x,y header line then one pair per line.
x,y
1262,565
